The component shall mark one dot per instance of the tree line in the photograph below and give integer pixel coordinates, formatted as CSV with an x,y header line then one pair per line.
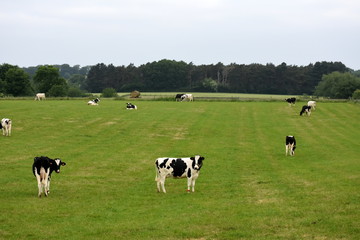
x,y
178,76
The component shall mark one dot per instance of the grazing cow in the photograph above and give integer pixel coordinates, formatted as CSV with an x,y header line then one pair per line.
x,y
305,109
40,96
130,106
178,168
290,145
188,97
178,97
42,169
5,125
291,101
312,104
93,102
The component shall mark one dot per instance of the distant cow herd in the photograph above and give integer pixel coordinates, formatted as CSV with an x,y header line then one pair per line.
x,y
290,142
188,167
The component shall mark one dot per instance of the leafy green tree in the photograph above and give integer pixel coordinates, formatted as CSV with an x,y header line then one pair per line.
x,y
165,75
210,85
58,91
75,92
78,81
109,92
356,94
18,82
3,69
337,85
46,77
95,78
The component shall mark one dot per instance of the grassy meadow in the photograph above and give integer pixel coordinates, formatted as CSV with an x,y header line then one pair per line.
x,y
247,188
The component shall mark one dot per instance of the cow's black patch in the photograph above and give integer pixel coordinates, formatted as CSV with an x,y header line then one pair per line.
x,y
46,163
189,173
162,165
179,167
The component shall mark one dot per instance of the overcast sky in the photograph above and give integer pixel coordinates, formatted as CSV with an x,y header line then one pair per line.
x,y
87,32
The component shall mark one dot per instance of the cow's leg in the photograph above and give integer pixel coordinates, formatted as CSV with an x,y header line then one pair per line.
x,y
48,185
193,185
39,184
10,130
162,182
46,182
189,182
286,150
158,186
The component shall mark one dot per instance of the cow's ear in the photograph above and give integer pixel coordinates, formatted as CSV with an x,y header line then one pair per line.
x,y
63,163
192,158
202,158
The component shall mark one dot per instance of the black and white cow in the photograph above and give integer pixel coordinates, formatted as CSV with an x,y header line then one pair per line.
x,y
187,97
130,106
290,145
94,102
178,168
291,101
178,97
42,169
5,125
305,109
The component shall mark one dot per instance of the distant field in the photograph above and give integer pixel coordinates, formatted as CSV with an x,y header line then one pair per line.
x,y
202,95
247,188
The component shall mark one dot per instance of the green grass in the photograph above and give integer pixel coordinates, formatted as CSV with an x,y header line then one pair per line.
x,y
213,96
247,188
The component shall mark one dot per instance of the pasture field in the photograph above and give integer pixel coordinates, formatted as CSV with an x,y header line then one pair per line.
x,y
213,96
247,188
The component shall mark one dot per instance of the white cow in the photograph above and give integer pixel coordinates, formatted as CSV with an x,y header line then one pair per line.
x,y
188,97
40,96
5,125
312,104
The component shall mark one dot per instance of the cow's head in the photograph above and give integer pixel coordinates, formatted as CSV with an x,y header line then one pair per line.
x,y
197,162
57,165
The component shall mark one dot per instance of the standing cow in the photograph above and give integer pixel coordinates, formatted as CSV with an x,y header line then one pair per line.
x,y
305,109
178,97
290,145
42,169
40,96
187,97
291,101
178,168
5,125
312,104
